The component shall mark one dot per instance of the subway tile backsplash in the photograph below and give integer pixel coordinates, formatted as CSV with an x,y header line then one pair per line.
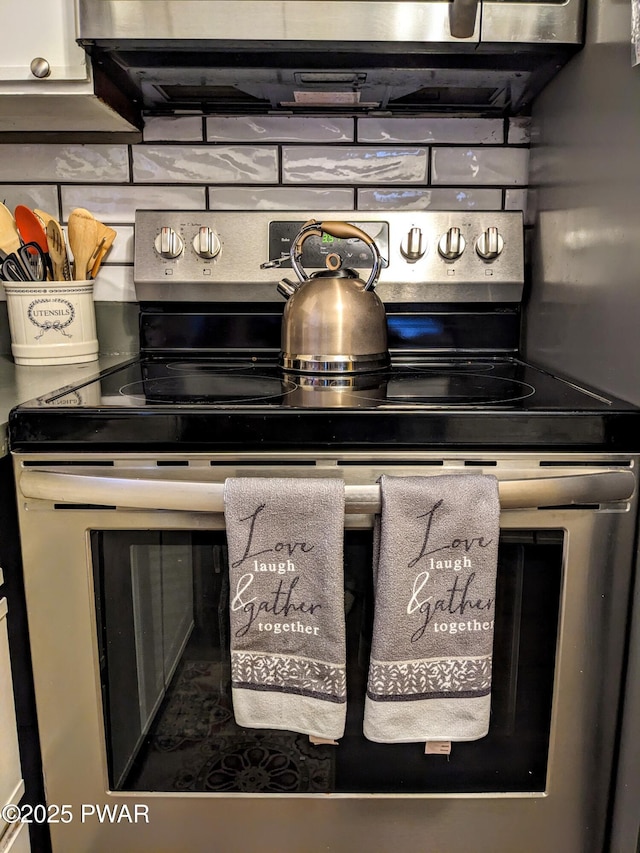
x,y
63,163
279,129
436,199
172,129
465,131
280,198
115,205
43,197
463,166
519,130
271,162
239,164
354,165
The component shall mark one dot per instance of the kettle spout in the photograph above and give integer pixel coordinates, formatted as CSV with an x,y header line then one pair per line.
x,y
287,288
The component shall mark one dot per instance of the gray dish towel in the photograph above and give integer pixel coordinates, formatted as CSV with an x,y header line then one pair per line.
x,y
436,551
288,658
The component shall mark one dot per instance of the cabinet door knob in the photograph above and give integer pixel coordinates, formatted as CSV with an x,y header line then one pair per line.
x,y
40,68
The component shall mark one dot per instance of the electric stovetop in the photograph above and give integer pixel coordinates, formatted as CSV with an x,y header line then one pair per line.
x,y
210,333
252,403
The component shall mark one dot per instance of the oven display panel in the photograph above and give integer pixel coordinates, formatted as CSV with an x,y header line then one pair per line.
x,y
353,252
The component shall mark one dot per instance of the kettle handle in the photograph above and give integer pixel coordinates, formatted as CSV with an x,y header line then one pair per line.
x,y
334,229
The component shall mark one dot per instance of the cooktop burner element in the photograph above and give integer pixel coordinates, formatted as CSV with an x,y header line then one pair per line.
x,y
221,387
447,383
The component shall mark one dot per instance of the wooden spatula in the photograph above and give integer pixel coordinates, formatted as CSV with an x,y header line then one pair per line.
x,y
107,235
43,216
83,241
9,235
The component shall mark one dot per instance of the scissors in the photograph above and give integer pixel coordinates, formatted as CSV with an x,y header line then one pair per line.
x,y
27,263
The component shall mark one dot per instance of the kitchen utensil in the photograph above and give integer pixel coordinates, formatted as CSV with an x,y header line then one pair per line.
x,y
108,238
83,240
12,270
43,216
9,235
58,251
31,231
333,322
93,260
27,263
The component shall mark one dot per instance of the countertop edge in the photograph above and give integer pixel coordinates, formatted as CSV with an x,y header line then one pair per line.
x,y
19,383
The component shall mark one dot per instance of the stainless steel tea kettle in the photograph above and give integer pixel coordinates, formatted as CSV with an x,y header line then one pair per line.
x,y
333,321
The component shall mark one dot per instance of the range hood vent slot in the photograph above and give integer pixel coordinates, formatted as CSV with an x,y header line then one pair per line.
x,y
451,98
330,78
206,98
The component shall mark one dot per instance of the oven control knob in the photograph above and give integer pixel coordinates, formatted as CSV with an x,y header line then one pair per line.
x,y
206,243
452,244
414,245
168,244
489,244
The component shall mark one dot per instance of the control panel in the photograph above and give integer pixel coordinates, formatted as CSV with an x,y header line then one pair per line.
x,y
316,250
428,256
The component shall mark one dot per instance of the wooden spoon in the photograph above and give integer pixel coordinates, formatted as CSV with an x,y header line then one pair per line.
x,y
31,231
83,240
9,234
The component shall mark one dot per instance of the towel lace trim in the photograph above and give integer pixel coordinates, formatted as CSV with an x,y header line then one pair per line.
x,y
258,671
437,677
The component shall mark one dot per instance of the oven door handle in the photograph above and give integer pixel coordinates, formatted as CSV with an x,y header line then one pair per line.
x,y
196,496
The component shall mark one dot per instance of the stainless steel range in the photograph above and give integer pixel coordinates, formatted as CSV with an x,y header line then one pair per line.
x,y
120,485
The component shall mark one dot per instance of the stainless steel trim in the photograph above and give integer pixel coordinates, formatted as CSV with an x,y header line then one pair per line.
x,y
533,23
267,20
336,364
169,494
235,274
295,20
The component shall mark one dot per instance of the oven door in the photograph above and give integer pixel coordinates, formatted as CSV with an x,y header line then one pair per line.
x,y
127,594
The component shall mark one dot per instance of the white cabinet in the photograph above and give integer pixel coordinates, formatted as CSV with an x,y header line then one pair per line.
x,y
11,783
40,36
44,29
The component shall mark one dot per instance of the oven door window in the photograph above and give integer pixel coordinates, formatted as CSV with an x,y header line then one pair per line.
x,y
163,637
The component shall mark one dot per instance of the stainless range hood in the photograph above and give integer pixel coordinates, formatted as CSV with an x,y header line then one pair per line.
x,y
257,56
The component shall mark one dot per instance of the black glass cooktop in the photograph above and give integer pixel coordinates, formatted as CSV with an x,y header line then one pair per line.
x,y
237,401
445,383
